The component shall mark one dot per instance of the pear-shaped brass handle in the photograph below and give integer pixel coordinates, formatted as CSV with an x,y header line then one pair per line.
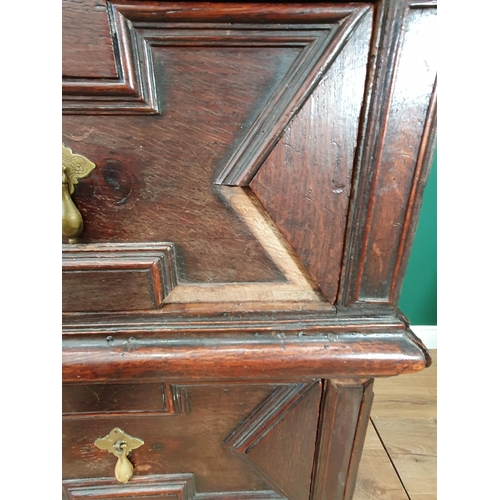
x,y
74,167
120,445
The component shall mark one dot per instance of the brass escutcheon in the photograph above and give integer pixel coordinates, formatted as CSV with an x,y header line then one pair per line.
x,y
120,445
74,167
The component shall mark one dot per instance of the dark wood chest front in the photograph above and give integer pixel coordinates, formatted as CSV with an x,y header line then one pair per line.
x,y
233,256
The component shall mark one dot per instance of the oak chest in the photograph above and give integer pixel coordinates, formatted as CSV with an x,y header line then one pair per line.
x,y
241,185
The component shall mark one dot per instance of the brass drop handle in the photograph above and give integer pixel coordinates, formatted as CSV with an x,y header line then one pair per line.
x,y
123,468
74,167
120,445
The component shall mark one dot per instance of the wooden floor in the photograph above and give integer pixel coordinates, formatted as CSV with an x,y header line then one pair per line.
x,y
399,457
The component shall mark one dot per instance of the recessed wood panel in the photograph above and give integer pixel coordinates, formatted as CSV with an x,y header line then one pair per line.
x,y
224,96
87,42
192,442
134,91
201,96
154,175
305,183
98,398
278,440
298,288
155,487
91,400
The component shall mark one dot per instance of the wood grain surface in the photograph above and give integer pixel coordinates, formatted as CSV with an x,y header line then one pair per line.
x,y
342,427
192,442
272,357
305,182
402,134
377,479
86,36
154,175
117,277
261,441
391,170
177,103
399,457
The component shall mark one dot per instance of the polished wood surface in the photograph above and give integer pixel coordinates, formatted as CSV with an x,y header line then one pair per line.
x,y
272,357
390,178
260,441
342,427
284,80
307,201
86,37
117,277
277,153
399,454
231,437
191,442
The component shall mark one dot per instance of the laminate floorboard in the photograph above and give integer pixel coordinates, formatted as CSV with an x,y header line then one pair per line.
x,y
399,457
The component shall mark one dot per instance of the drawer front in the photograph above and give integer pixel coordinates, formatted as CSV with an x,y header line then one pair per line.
x,y
208,440
226,137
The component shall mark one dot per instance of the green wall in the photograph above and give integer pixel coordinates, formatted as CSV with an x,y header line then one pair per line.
x,y
418,299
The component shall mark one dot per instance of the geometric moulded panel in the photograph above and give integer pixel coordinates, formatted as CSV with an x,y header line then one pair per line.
x,y
277,441
115,277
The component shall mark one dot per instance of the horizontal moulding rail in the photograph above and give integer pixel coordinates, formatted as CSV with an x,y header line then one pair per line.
x,y
257,357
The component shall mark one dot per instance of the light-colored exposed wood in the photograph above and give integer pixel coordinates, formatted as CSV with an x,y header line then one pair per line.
x,y
404,416
300,286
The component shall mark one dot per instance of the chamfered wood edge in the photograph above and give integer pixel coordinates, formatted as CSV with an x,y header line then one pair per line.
x,y
180,485
345,411
265,419
388,32
422,170
261,139
167,485
80,261
269,357
134,90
